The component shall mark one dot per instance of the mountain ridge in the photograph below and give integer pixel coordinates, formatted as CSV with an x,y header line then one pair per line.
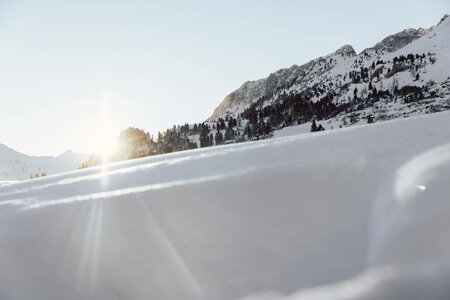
x,y
15,165
253,89
250,91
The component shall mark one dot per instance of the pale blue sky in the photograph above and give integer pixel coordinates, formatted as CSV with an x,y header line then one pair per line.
x,y
159,63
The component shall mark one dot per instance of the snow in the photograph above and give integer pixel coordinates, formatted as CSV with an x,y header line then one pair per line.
x,y
328,124
436,41
3,182
292,130
426,282
354,213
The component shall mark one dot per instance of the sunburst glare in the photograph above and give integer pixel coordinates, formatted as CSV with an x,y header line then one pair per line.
x,y
106,136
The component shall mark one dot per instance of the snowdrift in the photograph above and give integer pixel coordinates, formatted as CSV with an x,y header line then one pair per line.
x,y
355,213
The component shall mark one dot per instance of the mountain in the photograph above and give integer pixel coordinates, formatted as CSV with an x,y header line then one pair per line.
x,y
250,91
17,166
404,74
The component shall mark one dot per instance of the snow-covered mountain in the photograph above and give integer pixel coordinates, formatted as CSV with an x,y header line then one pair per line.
x,y
251,91
18,166
304,215
406,73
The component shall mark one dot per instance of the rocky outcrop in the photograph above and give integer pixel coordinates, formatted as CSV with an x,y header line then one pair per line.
x,y
399,40
251,91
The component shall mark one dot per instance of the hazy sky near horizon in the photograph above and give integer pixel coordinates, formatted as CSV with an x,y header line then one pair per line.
x,y
68,65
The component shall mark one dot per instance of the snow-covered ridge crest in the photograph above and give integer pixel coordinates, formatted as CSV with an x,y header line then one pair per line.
x,y
399,40
251,91
414,58
18,166
443,19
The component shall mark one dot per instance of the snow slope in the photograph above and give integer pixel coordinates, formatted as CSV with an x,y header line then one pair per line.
x,y
354,213
17,166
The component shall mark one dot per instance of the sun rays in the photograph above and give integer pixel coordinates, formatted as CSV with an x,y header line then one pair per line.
x,y
99,128
106,137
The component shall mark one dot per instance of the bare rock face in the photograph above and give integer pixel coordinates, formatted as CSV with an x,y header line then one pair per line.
x,y
346,50
399,40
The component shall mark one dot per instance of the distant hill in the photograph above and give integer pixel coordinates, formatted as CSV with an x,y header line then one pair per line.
x,y
18,166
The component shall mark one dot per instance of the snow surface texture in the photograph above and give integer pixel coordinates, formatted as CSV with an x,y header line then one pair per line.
x,y
355,213
17,166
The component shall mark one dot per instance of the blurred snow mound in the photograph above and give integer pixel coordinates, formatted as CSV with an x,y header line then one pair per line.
x,y
410,221
410,250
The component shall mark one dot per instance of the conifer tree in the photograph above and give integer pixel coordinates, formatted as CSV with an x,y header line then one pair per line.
x,y
313,126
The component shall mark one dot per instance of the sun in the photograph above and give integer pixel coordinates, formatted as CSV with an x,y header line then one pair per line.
x,y
106,147
98,129
100,133
106,144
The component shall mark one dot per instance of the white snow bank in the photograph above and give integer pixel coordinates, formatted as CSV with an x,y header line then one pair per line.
x,y
412,215
410,251
290,214
424,282
4,182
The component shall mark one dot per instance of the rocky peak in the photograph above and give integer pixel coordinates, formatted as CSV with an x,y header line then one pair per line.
x,y
443,19
346,50
399,40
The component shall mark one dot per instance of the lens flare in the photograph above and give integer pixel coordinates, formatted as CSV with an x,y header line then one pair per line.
x,y
105,143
